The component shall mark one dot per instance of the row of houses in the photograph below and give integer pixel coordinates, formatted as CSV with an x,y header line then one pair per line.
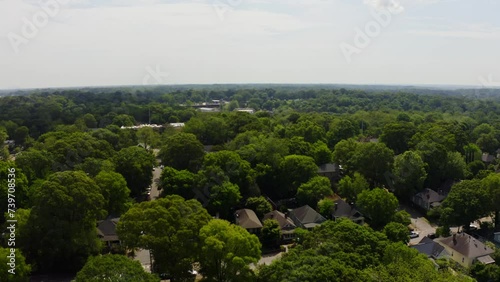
x,y
304,217
461,248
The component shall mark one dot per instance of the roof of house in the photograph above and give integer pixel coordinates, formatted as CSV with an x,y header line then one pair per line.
x,y
307,216
430,196
284,221
106,229
486,259
466,245
247,219
487,158
343,209
430,248
325,168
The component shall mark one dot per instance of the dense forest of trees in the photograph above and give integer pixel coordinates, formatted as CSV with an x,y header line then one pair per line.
x,y
75,165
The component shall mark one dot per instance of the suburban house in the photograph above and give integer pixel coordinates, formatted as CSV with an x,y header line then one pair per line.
x,y
247,219
330,171
245,110
345,210
430,248
285,222
306,217
487,158
427,199
106,231
466,250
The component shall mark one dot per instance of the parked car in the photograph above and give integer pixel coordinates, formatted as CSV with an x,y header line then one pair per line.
x,y
472,227
432,235
414,234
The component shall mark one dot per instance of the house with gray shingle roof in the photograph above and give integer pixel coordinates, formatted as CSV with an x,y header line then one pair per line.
x,y
466,250
428,199
343,209
106,231
286,224
247,219
306,217
430,248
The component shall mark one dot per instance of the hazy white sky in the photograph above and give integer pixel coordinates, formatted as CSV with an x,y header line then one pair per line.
x,y
57,43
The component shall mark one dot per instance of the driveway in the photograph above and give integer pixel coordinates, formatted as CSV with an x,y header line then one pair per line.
x,y
419,223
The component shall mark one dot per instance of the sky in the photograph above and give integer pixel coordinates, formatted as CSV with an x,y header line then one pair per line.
x,y
73,43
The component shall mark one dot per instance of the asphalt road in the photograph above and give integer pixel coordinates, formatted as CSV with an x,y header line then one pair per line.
x,y
143,255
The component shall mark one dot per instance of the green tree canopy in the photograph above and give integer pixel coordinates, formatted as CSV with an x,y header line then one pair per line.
x,y
259,205
237,170
113,268
177,182
373,160
397,136
378,205
295,170
491,184
314,190
182,151
227,250
169,228
63,219
271,232
115,192
397,232
351,187
409,174
466,202
136,166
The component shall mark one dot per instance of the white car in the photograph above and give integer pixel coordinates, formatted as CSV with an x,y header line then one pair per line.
x,y
414,234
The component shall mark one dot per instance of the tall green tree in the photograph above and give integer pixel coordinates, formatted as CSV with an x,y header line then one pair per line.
x,y
182,151
314,190
409,174
113,268
351,187
177,182
467,201
63,219
169,228
343,154
148,137
294,171
397,136
374,160
237,170
492,186
136,166
223,198
488,143
115,192
340,129
378,205
227,250
397,232
259,205
271,233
